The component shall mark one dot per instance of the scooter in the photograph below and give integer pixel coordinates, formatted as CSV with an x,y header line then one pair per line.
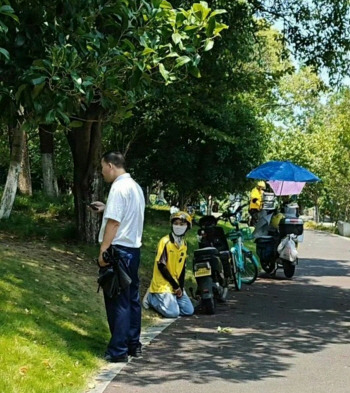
x,y
277,247
212,264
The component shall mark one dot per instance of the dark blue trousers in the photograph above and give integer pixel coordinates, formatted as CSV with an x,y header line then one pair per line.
x,y
124,311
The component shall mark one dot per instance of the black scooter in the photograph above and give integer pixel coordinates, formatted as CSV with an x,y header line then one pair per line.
x,y
212,264
269,242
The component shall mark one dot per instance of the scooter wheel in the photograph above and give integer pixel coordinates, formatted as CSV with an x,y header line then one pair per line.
x,y
208,306
288,269
269,267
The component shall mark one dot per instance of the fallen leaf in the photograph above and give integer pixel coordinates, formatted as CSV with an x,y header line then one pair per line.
x,y
224,330
47,363
23,370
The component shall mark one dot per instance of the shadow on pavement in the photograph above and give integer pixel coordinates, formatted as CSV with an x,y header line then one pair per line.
x,y
266,325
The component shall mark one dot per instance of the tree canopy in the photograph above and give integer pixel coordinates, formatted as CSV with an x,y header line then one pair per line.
x,y
187,90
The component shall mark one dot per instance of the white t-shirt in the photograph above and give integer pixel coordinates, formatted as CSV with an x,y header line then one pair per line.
x,y
125,204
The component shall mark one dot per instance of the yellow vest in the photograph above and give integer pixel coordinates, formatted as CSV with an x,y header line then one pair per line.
x,y
275,220
176,258
256,194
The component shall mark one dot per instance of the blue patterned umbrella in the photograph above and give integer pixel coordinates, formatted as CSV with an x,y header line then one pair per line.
x,y
283,171
284,177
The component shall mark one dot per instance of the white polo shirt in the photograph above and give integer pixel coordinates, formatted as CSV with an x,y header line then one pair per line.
x,y
125,204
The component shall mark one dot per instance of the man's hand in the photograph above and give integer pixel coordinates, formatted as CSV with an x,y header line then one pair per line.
x,y
178,292
97,207
101,261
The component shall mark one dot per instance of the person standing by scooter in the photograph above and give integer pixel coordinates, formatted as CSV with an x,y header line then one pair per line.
x,y
166,293
256,199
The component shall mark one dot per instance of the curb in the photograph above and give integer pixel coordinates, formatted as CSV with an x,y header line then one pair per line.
x,y
102,380
332,234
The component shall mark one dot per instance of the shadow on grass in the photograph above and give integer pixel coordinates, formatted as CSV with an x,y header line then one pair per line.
x,y
49,298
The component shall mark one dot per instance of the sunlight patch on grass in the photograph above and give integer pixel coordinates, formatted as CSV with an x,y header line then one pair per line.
x,y
53,327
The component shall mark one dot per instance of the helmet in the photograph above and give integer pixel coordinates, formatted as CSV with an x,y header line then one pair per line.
x,y
182,216
262,184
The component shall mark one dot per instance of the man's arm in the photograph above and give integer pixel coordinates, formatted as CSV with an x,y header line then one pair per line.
x,y
110,232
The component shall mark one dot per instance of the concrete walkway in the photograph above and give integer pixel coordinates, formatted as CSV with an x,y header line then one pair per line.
x,y
279,335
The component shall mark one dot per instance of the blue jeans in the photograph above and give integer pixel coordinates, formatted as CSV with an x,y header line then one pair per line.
x,y
124,311
169,305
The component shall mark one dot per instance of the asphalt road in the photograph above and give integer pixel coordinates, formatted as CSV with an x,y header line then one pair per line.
x,y
278,335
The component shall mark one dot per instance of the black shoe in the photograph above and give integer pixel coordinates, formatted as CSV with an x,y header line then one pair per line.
x,y
116,359
135,352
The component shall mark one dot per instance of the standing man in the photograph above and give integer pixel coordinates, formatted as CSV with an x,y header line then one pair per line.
x,y
122,226
256,202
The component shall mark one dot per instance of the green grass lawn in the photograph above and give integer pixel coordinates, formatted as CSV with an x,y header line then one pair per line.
x,y
53,329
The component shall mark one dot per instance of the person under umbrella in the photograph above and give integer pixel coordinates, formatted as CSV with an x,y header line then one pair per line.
x,y
256,199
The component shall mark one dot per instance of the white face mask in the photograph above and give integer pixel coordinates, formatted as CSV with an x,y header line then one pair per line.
x,y
179,230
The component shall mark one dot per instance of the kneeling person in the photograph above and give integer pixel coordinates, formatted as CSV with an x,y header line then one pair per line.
x,y
166,293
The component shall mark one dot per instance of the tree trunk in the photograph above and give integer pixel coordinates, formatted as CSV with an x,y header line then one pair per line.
x,y
50,187
317,207
85,143
10,190
25,178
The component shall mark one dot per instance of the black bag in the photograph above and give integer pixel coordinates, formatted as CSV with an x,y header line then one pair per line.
x,y
108,281
113,279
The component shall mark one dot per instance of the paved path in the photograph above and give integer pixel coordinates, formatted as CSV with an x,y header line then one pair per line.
x,y
288,336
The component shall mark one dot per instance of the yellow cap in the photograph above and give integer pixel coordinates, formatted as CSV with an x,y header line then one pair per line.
x,y
182,216
262,184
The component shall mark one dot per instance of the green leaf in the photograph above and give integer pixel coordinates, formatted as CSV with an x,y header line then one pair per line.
x,y
3,28
194,71
163,71
89,96
148,51
208,45
75,124
129,44
6,9
128,114
166,5
37,89
176,37
218,12
180,17
156,3
27,126
5,53
197,59
180,61
19,91
77,79
172,54
50,116
88,82
65,118
210,27
191,27
201,10
219,27
38,81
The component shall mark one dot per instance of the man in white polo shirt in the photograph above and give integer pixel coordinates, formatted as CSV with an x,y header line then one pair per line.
x,y
122,226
